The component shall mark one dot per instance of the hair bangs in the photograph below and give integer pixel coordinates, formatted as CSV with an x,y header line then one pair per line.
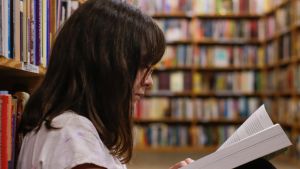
x,y
153,46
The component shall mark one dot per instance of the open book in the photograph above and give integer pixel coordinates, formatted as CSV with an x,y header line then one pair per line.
x,y
255,138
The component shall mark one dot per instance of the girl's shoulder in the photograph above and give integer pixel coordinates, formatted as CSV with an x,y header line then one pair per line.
x,y
70,122
74,142
68,118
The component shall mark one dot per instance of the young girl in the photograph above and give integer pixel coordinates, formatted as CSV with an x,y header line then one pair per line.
x,y
81,115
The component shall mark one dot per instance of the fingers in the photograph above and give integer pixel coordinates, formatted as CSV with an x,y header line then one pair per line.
x,y
188,160
182,163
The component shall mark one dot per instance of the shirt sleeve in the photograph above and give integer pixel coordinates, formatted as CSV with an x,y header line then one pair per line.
x,y
79,143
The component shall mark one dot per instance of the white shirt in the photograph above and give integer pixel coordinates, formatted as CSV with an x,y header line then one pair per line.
x,y
77,142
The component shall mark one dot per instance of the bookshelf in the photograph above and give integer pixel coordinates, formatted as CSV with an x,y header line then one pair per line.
x,y
176,149
276,72
266,67
27,30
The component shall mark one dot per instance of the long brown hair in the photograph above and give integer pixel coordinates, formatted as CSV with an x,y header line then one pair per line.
x,y
93,66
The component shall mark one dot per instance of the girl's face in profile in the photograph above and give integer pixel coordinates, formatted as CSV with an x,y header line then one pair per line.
x,y
142,82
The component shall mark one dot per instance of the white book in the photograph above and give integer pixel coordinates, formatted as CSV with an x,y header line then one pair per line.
x,y
255,138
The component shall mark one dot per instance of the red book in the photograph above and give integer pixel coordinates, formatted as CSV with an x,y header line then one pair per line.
x,y
5,128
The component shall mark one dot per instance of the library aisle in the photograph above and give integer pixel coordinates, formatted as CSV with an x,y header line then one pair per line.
x,y
224,58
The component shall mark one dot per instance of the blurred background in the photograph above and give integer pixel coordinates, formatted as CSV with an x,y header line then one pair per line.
x,y
224,58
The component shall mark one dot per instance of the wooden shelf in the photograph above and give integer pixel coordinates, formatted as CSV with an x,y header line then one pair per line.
x,y
177,15
165,120
168,94
221,121
183,15
216,42
271,11
217,94
14,68
225,69
227,16
229,94
179,42
175,68
229,68
189,121
265,93
14,77
191,149
227,42
279,34
208,68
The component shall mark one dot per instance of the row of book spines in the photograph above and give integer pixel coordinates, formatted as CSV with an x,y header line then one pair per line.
x,y
282,109
11,107
205,6
224,29
280,21
8,108
162,135
201,109
28,31
5,40
32,27
218,56
280,50
285,79
285,110
179,29
179,81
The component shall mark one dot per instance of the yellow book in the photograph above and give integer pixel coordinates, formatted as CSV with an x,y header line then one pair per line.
x,y
44,34
197,81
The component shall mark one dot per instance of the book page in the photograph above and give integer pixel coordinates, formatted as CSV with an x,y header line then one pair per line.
x,y
258,121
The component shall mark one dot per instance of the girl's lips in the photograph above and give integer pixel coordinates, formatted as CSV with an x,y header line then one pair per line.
x,y
140,94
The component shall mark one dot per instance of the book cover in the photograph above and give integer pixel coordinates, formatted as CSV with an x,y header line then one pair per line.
x,y
5,130
16,29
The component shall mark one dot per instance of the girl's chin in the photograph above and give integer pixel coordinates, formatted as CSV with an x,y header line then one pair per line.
x,y
135,99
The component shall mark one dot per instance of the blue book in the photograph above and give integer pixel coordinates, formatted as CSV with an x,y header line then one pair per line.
x,y
4,92
37,35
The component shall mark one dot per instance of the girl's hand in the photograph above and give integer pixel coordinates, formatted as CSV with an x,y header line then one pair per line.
x,y
182,163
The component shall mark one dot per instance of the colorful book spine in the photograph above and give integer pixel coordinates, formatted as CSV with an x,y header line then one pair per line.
x,y
6,139
16,30
37,37
48,43
9,31
161,135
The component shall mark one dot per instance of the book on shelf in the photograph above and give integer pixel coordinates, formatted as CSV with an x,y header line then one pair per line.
x,y
11,107
256,138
